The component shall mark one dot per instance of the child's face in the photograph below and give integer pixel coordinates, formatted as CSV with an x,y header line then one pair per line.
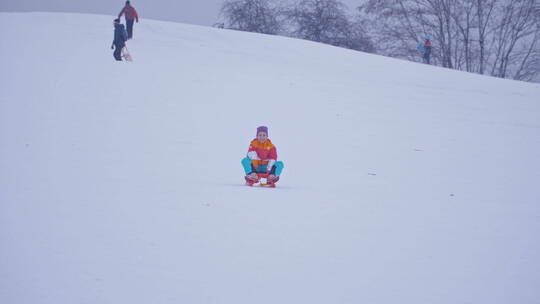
x,y
262,136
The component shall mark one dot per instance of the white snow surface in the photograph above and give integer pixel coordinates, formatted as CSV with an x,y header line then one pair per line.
x,y
121,182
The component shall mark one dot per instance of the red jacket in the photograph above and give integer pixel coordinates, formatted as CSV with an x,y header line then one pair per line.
x,y
130,12
265,151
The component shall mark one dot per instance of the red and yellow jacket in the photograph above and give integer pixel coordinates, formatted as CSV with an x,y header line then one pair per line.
x,y
264,153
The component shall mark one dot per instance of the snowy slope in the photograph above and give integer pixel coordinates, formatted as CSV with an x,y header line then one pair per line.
x,y
122,183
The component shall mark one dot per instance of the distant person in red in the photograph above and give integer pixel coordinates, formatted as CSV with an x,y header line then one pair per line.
x,y
131,16
427,50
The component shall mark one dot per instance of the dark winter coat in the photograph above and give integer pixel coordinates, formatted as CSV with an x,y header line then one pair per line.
x,y
120,35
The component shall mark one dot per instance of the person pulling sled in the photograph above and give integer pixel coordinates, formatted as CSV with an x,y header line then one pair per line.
x,y
261,160
119,40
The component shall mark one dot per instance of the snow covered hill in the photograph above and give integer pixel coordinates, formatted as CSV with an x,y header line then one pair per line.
x,y
122,183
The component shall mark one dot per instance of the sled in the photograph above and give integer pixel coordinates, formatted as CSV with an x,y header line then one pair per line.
x,y
260,184
126,55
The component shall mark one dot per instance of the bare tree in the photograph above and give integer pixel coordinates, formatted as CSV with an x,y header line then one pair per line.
x,y
484,13
500,37
515,38
323,21
463,17
357,38
257,16
319,20
327,21
391,27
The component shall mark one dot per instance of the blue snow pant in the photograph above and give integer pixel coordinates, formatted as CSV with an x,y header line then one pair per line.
x,y
248,167
118,51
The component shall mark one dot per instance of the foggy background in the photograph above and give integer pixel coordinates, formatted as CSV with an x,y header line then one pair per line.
x,y
201,12
500,38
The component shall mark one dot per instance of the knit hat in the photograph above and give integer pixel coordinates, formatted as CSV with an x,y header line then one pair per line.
x,y
262,129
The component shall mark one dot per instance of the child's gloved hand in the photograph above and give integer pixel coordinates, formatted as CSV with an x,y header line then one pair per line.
x,y
253,155
271,163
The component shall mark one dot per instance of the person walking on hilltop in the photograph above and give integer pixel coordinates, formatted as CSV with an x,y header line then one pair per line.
x,y
119,40
131,16
427,50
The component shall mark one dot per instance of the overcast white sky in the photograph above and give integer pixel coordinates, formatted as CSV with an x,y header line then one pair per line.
x,y
203,12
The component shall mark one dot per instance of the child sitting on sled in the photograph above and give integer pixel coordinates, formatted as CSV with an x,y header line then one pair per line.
x,y
261,160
